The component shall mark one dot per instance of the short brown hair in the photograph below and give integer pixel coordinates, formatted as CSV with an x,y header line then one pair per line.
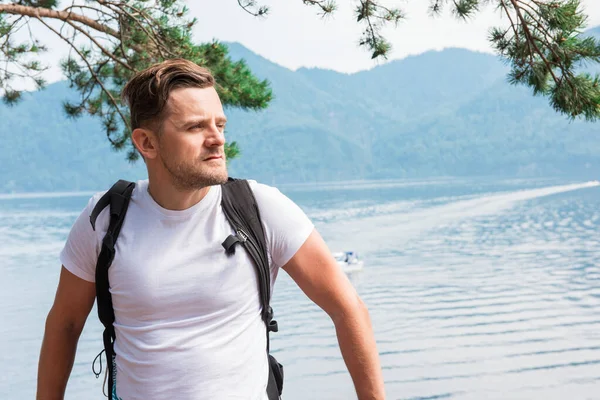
x,y
147,92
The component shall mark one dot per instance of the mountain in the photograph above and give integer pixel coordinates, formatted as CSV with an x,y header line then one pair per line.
x,y
42,150
594,32
447,112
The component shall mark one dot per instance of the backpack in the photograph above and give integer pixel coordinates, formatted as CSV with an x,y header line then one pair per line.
x,y
240,208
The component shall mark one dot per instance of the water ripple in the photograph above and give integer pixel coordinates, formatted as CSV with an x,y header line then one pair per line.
x,y
472,295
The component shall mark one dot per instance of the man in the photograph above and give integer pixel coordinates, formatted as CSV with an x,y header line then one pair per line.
x,y
187,317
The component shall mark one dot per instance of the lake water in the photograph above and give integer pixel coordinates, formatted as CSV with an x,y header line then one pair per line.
x,y
477,289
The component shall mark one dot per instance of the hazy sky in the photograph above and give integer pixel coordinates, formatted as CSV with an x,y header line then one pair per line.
x,y
294,35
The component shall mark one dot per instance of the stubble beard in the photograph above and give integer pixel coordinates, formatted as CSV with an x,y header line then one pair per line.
x,y
196,175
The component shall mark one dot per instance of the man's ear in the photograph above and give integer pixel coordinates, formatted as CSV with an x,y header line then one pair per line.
x,y
146,141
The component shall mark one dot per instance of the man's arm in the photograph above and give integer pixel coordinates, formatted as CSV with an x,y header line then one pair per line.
x,y
72,305
316,272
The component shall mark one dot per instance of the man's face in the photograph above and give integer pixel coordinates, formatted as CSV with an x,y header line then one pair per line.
x,y
191,143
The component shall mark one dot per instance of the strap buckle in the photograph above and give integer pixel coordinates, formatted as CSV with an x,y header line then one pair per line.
x,y
232,240
273,327
271,323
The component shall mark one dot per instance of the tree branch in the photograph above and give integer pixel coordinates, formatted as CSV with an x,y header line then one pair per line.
x,y
99,10
153,36
12,28
517,35
365,3
531,40
540,27
436,6
512,24
247,4
38,12
104,51
94,75
326,6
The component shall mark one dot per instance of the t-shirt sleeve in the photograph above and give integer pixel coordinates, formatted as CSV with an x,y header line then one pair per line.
x,y
286,225
80,252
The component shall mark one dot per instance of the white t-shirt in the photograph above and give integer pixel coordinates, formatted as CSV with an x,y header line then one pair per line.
x,y
187,316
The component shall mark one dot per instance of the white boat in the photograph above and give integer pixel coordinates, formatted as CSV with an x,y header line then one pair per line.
x,y
348,261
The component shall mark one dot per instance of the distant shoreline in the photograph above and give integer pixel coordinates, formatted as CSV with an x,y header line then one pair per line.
x,y
44,195
336,185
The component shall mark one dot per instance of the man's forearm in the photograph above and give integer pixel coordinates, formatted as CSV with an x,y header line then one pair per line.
x,y
359,350
56,359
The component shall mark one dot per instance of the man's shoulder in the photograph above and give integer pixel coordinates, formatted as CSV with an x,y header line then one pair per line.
x,y
96,196
94,199
137,190
270,199
255,186
267,196
263,191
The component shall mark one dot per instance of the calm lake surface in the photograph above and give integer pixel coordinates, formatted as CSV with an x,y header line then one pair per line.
x,y
478,289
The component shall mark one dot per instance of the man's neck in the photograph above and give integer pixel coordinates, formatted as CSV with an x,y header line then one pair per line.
x,y
170,198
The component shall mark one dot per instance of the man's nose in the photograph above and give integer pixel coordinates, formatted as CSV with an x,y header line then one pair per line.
x,y
216,137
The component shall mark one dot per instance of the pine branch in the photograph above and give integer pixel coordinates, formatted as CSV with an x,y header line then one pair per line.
x,y
250,7
546,43
102,49
326,6
531,40
86,93
82,7
14,55
436,6
94,76
38,13
513,26
151,33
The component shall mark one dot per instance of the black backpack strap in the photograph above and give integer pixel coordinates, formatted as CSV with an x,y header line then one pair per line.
x,y
240,208
118,197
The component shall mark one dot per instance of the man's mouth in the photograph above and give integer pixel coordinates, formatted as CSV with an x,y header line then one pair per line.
x,y
215,157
